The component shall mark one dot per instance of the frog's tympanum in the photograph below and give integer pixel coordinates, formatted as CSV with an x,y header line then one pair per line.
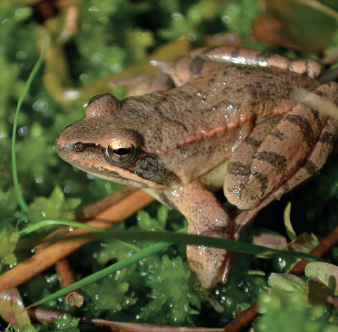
x,y
249,122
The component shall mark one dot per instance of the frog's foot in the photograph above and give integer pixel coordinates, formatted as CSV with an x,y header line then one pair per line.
x,y
283,160
211,265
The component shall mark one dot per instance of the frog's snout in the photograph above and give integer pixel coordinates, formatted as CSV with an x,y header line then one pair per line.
x,y
65,147
63,144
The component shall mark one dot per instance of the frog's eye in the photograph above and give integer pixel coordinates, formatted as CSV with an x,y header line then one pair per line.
x,y
120,151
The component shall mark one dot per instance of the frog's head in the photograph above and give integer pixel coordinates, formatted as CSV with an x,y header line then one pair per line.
x,y
100,144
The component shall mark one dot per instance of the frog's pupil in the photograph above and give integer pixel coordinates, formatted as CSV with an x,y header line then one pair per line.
x,y
121,151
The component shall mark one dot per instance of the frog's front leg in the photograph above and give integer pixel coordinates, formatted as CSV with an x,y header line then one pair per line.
x,y
206,216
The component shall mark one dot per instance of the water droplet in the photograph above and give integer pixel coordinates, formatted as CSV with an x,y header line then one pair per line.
x,y
38,179
176,16
40,105
47,113
21,55
67,189
23,131
71,94
86,27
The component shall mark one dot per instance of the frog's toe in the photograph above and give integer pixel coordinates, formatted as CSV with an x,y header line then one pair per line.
x,y
211,265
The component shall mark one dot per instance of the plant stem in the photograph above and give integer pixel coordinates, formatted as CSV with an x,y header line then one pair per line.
x,y
22,203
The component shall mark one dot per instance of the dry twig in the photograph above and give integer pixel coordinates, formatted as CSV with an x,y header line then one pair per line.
x,y
37,315
67,277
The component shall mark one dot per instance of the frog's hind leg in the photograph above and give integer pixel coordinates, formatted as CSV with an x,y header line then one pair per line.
x,y
239,170
310,167
294,151
185,68
255,58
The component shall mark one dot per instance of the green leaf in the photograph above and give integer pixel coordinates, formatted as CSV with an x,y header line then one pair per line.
x,y
287,282
319,293
325,272
335,251
304,243
268,238
287,222
44,223
12,309
289,311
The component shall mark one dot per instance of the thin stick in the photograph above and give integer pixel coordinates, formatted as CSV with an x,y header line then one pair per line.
x,y
93,210
67,277
50,255
241,321
144,327
37,315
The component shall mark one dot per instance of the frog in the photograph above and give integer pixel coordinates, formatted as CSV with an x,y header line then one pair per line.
x,y
249,122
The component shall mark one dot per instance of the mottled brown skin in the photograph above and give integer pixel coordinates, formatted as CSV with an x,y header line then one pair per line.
x,y
256,129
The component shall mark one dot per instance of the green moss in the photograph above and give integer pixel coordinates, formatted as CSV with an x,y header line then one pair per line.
x,y
110,295
54,207
8,240
173,300
65,323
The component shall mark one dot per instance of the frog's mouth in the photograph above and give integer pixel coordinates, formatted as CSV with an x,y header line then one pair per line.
x,y
114,177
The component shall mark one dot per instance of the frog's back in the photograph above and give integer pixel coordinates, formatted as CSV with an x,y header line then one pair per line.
x,y
195,127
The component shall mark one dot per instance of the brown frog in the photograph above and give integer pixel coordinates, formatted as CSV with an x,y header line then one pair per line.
x,y
246,121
